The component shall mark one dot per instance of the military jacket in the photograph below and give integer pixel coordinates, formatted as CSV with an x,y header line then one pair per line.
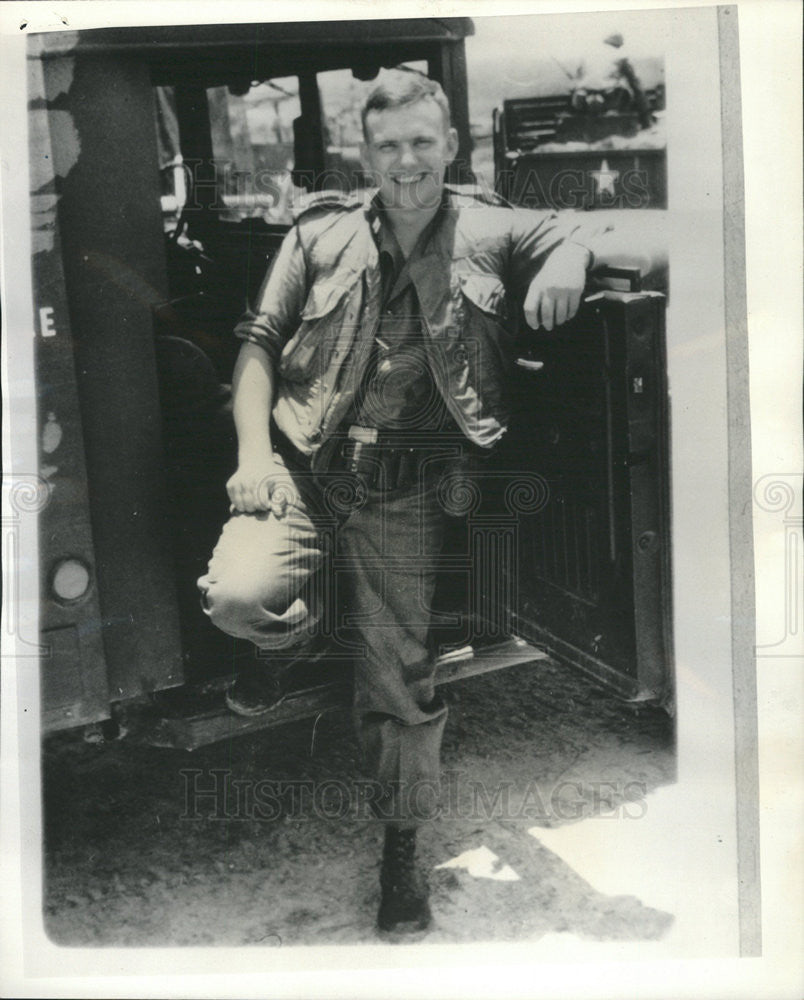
x,y
319,308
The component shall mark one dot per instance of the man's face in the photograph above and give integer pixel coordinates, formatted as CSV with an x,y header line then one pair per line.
x,y
407,150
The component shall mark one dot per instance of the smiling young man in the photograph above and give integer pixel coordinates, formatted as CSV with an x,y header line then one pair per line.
x,y
372,374
406,151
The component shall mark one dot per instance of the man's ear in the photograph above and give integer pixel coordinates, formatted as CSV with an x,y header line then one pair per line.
x,y
369,173
452,144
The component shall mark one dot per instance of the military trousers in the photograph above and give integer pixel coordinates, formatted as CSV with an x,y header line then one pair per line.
x,y
358,565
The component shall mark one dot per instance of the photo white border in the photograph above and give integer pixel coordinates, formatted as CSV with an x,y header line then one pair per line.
x,y
770,61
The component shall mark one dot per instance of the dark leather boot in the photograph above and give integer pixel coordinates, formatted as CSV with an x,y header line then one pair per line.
x,y
404,904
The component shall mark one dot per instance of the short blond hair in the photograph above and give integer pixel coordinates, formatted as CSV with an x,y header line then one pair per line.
x,y
400,86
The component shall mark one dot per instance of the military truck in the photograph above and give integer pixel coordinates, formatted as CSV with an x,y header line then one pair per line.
x,y
164,165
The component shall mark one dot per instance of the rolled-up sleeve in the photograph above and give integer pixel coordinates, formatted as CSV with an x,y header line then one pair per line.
x,y
280,301
535,235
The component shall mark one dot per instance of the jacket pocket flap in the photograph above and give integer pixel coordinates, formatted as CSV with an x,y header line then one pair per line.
x,y
325,296
486,291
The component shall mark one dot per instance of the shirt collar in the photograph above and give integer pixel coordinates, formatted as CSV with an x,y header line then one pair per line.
x,y
383,235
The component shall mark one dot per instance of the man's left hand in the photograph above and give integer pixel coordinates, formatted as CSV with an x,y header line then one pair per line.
x,y
555,293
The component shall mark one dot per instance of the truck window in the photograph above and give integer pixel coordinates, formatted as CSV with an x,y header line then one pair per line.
x,y
252,144
341,98
173,188
255,139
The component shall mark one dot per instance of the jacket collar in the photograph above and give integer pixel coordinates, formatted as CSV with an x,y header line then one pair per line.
x,y
383,237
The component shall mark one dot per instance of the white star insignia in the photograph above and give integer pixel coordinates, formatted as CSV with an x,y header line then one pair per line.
x,y
605,179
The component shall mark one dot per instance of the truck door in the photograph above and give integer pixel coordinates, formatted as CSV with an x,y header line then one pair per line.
x,y
591,581
73,681
108,610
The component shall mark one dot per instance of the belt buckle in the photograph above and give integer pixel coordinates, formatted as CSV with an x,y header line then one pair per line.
x,y
363,435
359,437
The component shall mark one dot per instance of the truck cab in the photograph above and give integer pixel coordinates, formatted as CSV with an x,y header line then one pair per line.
x,y
165,163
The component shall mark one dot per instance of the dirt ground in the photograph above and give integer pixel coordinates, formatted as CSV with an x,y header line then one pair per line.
x,y
130,859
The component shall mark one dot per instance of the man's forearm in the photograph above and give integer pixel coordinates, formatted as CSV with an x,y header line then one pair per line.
x,y
253,394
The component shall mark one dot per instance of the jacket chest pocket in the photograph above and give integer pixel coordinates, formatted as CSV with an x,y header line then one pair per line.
x,y
484,346
485,292
328,323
